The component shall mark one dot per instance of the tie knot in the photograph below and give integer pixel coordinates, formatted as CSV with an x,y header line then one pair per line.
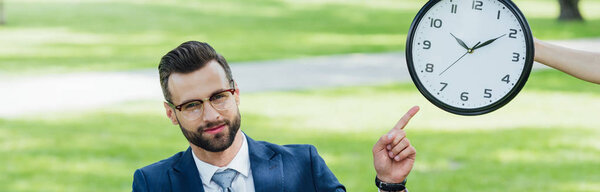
x,y
224,178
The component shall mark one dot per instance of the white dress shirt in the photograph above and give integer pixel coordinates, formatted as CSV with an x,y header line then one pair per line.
x,y
243,182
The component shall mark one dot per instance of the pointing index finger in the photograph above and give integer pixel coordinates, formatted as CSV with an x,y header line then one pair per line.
x,y
404,120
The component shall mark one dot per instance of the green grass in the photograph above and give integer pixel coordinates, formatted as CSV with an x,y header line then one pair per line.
x,y
546,139
69,35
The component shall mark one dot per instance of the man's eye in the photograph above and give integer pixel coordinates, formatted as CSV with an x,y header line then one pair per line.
x,y
191,105
218,96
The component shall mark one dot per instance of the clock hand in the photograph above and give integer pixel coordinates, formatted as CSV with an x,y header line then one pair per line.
x,y
487,42
468,51
454,63
460,42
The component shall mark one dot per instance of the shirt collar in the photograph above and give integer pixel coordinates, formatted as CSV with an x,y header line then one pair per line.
x,y
240,163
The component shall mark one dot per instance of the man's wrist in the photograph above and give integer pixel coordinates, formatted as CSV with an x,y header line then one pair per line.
x,y
390,187
405,190
379,190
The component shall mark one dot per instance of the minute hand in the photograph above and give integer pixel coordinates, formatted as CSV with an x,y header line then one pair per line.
x,y
487,42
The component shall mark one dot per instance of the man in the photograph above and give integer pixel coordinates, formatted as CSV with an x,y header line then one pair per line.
x,y
202,98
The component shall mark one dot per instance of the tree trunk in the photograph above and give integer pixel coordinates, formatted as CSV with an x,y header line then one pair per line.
x,y
1,12
569,10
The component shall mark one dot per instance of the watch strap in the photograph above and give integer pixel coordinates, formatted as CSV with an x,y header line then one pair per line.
x,y
390,186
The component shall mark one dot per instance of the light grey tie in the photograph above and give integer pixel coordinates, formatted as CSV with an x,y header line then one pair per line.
x,y
224,179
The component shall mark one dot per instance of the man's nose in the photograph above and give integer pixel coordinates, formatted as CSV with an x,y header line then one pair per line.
x,y
210,113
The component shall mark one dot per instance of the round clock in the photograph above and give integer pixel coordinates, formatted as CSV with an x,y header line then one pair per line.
x,y
469,57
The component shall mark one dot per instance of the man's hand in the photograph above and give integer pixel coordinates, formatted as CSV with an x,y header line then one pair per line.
x,y
393,155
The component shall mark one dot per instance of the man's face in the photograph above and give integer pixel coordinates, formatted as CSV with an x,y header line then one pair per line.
x,y
214,130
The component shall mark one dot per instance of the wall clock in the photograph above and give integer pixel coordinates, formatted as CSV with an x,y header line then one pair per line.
x,y
469,57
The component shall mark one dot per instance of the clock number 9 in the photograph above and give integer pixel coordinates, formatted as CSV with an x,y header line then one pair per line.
x,y
437,23
429,67
463,96
427,44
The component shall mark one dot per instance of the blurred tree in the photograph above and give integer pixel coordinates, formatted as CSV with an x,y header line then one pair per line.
x,y
569,10
1,12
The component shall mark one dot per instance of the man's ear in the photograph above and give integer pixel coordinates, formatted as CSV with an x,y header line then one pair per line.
x,y
237,93
170,113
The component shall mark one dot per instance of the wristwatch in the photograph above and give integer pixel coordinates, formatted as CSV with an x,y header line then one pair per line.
x,y
390,186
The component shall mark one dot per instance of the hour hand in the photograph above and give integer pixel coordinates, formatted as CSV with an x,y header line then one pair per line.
x,y
460,42
487,42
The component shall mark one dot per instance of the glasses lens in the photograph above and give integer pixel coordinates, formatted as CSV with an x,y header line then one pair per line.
x,y
192,110
222,101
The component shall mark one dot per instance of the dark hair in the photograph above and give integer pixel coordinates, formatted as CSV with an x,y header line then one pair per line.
x,y
186,58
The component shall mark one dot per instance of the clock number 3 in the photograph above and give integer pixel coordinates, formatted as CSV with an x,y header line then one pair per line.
x,y
515,57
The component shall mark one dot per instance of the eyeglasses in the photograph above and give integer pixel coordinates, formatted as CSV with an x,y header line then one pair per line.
x,y
193,109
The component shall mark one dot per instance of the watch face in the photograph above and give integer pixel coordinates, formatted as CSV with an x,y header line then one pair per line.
x,y
469,57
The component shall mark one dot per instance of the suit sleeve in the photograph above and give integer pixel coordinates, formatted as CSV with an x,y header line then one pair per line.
x,y
323,177
139,182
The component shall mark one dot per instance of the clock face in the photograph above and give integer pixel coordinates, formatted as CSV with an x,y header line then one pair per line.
x,y
469,57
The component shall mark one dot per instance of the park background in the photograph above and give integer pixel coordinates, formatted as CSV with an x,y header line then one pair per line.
x,y
546,139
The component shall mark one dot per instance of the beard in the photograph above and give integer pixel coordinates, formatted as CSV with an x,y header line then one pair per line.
x,y
220,141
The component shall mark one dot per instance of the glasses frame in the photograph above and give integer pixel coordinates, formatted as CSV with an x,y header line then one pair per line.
x,y
202,101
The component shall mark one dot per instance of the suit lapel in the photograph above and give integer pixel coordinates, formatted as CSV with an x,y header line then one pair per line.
x,y
184,175
267,167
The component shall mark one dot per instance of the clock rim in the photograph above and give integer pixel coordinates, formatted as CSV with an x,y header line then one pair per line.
x,y
487,108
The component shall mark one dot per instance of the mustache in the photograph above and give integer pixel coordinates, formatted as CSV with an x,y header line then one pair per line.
x,y
212,124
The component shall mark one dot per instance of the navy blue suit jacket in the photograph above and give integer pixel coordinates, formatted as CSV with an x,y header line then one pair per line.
x,y
274,168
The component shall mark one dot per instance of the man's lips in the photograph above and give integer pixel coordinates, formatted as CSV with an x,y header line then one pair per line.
x,y
215,129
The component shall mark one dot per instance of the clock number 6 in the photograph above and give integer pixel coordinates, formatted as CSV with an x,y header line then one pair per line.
x,y
463,96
